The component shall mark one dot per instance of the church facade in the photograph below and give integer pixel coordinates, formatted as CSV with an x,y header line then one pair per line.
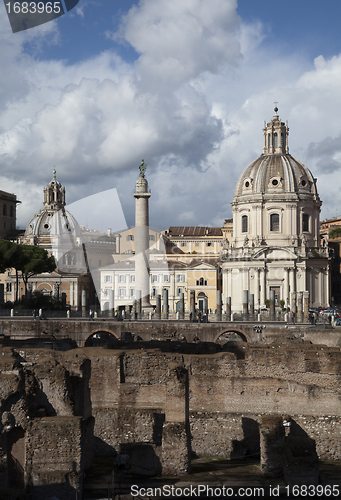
x,y
276,241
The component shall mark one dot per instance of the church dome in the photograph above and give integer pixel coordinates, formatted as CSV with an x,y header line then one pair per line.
x,y
276,172
53,220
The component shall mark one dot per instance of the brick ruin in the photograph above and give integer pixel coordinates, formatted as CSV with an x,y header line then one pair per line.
x,y
161,406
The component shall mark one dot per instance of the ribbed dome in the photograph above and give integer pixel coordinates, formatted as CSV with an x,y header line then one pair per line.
x,y
53,220
276,174
53,223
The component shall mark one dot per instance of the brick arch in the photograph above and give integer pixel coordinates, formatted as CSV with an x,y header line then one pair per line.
x,y
246,337
102,330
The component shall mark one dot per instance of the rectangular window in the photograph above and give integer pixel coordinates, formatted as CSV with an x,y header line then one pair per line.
x,y
180,278
132,292
155,278
209,244
244,224
151,237
166,278
122,292
196,244
121,278
178,291
305,223
274,222
183,244
130,237
154,292
132,278
107,279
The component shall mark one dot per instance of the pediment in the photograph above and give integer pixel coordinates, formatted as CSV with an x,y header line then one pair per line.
x,y
275,253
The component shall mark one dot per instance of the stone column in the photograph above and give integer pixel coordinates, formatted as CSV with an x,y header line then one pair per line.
x,y
71,293
83,303
228,309
165,307
293,308
182,306
262,276
111,303
272,305
305,306
272,441
142,195
252,305
245,305
299,302
139,304
286,284
192,304
158,307
218,317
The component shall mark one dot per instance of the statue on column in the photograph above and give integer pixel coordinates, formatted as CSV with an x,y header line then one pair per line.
x,y
142,167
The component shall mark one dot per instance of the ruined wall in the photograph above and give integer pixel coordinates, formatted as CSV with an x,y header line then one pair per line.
x,y
163,405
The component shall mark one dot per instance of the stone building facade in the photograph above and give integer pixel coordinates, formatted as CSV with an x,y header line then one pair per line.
x,y
276,240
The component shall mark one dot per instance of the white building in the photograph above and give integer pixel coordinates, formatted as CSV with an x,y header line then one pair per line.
x,y
276,241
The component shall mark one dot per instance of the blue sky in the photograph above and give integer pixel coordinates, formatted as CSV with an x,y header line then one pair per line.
x,y
185,84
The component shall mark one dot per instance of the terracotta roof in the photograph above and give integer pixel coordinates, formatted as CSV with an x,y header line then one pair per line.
x,y
189,231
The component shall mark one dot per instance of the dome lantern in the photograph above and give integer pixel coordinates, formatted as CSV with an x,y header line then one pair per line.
x,y
276,136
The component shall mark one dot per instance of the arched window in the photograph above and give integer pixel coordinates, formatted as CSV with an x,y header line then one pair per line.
x,y
275,140
201,282
274,222
4,209
269,142
244,224
305,223
282,140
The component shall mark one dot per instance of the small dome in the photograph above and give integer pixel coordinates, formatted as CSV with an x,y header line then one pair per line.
x,y
53,220
53,223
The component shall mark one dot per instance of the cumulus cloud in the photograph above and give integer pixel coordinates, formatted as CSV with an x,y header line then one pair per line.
x,y
181,39
192,104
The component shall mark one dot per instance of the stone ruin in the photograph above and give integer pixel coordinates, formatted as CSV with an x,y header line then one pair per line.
x,y
59,409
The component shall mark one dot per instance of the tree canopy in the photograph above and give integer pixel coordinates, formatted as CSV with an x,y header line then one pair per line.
x,y
27,259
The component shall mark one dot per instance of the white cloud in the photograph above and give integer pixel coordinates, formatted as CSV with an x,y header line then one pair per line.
x,y
193,106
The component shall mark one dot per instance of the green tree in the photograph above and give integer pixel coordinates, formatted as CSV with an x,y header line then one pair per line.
x,y
27,259
33,260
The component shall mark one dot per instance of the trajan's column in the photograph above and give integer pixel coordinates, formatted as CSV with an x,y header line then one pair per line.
x,y
142,195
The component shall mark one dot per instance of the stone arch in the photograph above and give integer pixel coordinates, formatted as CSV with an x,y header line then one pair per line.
x,y
244,336
103,334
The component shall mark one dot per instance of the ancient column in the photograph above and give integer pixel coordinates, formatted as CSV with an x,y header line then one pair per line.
x,y
228,309
165,304
272,305
305,306
182,306
218,317
158,307
299,307
245,305
252,305
111,303
192,305
142,195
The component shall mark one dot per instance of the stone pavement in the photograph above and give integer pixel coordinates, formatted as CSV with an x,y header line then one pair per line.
x,y
208,479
